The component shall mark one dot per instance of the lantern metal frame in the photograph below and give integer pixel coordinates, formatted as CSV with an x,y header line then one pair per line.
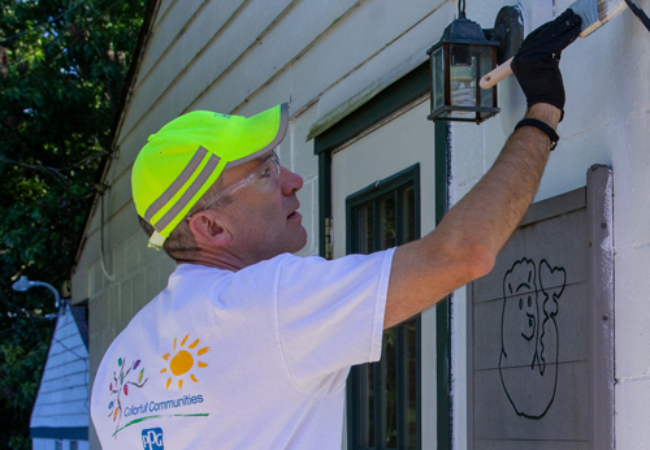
x,y
502,41
450,39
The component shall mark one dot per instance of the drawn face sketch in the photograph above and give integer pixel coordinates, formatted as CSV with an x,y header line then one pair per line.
x,y
520,321
530,340
552,281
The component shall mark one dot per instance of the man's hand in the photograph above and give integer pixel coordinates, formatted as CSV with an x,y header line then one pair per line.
x,y
536,65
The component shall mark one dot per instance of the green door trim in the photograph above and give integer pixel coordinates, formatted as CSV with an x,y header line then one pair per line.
x,y
443,308
407,89
395,96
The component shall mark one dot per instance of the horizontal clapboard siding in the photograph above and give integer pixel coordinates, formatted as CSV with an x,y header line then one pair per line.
x,y
297,43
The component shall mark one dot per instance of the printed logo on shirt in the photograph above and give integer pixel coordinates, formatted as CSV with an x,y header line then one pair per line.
x,y
126,379
152,439
181,365
182,361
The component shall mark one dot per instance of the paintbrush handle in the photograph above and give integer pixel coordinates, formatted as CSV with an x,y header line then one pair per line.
x,y
496,75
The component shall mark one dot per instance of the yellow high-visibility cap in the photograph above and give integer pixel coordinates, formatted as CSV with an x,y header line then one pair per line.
x,y
182,160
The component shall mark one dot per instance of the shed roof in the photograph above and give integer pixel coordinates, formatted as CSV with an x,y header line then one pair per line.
x,y
62,405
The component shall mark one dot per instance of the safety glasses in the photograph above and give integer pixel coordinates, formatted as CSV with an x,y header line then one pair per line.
x,y
264,178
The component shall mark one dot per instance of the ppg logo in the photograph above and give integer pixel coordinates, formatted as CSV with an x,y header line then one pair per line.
x,y
152,439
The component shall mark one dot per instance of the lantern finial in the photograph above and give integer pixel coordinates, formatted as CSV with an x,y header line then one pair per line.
x,y
461,9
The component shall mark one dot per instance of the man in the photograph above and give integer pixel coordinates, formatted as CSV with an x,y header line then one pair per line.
x,y
249,347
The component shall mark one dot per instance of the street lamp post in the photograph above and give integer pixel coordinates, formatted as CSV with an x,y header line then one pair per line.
x,y
24,284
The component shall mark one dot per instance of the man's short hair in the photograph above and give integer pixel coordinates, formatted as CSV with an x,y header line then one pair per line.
x,y
180,244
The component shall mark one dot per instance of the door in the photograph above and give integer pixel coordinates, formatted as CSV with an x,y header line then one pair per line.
x,y
383,196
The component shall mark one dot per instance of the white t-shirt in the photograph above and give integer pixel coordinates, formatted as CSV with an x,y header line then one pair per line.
x,y
255,359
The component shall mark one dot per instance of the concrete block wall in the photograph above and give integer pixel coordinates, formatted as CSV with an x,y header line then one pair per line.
x,y
607,121
140,273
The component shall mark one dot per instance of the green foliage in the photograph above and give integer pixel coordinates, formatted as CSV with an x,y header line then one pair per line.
x,y
60,86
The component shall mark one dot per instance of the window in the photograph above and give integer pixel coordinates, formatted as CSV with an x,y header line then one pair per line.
x,y
384,397
58,445
74,445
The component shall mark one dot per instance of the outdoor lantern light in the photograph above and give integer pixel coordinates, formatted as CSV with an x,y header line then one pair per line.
x,y
463,56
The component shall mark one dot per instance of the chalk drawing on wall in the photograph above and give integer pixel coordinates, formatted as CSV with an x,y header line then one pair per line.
x,y
530,336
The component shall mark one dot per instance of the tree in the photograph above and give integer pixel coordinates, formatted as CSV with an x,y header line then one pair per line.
x,y
63,65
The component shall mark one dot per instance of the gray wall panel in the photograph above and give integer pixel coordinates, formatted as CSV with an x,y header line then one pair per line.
x,y
540,340
564,237
567,415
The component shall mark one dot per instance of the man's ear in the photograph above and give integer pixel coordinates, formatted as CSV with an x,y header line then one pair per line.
x,y
209,229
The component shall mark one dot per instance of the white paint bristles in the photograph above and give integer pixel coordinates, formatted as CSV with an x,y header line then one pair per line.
x,y
607,10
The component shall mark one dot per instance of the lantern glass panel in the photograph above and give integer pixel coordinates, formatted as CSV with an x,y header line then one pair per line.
x,y
438,70
462,76
485,61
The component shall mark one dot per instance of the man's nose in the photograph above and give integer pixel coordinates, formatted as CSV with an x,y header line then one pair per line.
x,y
290,181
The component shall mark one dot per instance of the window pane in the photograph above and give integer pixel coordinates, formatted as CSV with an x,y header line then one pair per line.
x,y
365,230
381,401
74,445
390,389
408,215
58,445
387,236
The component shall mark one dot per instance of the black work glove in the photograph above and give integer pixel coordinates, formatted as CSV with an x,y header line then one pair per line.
x,y
537,63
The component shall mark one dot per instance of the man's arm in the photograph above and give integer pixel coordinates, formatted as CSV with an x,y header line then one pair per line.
x,y
465,244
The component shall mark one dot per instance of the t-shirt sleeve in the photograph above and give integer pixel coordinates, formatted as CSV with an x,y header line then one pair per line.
x,y
331,316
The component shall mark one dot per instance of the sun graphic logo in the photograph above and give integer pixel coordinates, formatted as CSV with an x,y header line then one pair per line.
x,y
183,361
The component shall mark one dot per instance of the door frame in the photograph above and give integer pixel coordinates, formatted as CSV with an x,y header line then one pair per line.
x,y
384,103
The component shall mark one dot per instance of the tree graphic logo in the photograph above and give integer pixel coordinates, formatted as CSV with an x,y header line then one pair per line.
x,y
120,386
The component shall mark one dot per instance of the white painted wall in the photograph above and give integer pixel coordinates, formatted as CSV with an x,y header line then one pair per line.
x,y
607,122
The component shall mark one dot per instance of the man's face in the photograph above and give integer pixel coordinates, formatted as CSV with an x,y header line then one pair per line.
x,y
264,223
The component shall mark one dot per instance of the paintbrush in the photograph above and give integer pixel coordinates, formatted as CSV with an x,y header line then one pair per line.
x,y
594,14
